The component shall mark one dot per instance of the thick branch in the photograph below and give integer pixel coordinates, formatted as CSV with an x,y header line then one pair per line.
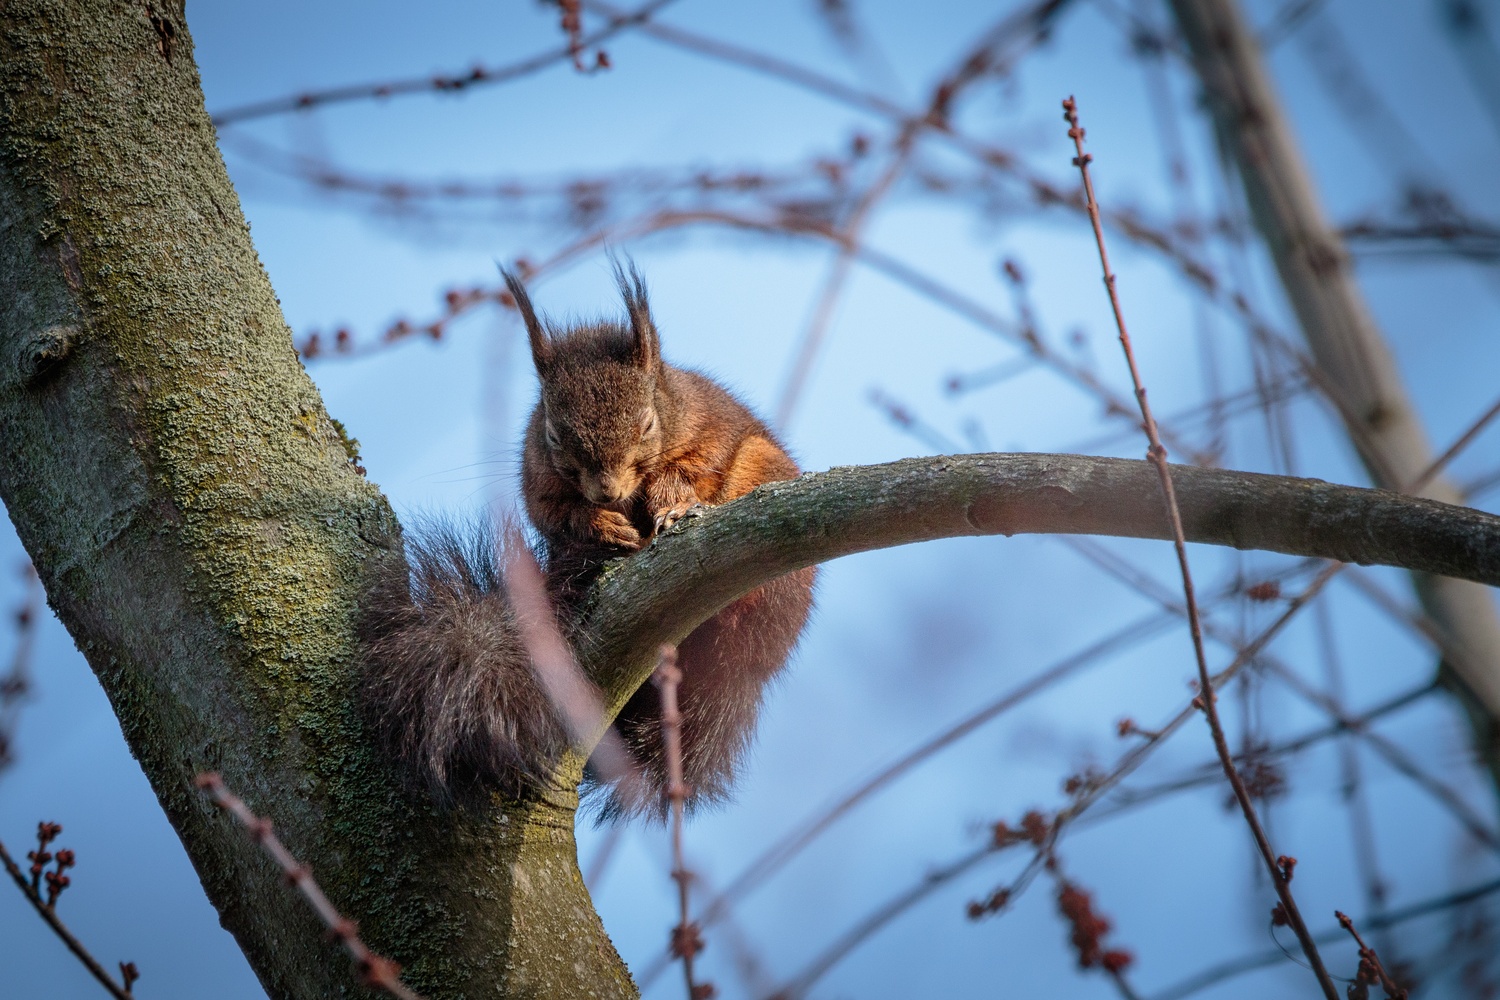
x,y
660,594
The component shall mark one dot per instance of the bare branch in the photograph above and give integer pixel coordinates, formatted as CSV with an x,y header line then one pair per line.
x,y
438,83
1279,870
48,912
1273,956
375,971
715,555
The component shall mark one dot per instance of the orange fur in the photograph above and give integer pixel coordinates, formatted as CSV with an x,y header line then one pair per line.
x,y
598,483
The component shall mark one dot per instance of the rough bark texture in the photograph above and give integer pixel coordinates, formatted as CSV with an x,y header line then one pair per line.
x,y
200,529
1347,345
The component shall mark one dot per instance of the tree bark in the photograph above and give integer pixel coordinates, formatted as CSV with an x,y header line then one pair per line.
x,y
716,555
201,530
1347,345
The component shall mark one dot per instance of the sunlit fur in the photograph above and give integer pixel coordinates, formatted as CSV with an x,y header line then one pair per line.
x,y
618,438
618,442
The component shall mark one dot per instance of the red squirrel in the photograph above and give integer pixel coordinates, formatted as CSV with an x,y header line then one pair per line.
x,y
619,446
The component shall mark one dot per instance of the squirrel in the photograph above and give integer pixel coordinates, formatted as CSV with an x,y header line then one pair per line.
x,y
619,446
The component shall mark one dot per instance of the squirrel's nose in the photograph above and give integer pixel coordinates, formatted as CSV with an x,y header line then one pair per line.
x,y
613,487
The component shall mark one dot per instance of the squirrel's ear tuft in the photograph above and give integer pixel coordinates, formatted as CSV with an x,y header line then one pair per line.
x,y
541,346
642,326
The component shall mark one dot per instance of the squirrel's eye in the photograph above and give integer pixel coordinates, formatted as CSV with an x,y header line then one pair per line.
x,y
551,433
648,422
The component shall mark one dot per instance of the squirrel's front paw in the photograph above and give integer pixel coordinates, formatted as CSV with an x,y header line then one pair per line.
x,y
614,528
671,515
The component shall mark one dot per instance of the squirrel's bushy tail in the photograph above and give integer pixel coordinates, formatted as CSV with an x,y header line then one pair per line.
x,y
450,692
448,687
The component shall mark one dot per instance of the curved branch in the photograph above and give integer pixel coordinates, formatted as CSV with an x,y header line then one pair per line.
x,y
663,592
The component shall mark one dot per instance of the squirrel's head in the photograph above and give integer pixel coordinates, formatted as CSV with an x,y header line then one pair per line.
x,y
599,404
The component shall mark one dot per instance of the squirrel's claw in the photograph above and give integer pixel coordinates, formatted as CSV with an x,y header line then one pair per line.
x,y
670,516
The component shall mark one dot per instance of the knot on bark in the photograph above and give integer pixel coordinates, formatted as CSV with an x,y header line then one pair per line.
x,y
39,353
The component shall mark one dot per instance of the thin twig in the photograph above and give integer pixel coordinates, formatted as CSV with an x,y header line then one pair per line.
x,y
440,83
374,971
48,912
1272,956
1279,872
1370,969
687,936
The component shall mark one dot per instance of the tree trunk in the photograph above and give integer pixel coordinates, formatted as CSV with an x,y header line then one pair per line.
x,y
203,534
1348,347
201,531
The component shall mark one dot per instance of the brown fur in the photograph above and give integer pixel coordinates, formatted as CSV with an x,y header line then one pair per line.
x,y
448,687
620,445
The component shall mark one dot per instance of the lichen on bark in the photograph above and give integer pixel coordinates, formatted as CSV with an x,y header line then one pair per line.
x,y
201,530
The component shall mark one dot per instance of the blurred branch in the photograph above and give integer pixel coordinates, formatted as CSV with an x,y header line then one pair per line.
x,y
374,971
849,237
15,684
1290,16
477,76
1467,238
935,878
1471,36
1274,956
844,26
1335,320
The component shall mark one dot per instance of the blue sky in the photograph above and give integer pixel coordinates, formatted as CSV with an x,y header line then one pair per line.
x,y
905,641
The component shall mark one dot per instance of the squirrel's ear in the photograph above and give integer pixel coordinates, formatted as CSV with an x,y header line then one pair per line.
x,y
541,347
642,326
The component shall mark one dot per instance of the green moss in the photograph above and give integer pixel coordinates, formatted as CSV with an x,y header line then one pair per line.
x,y
351,444
181,443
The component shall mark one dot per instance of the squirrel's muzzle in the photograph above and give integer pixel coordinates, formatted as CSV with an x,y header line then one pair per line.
x,y
607,488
